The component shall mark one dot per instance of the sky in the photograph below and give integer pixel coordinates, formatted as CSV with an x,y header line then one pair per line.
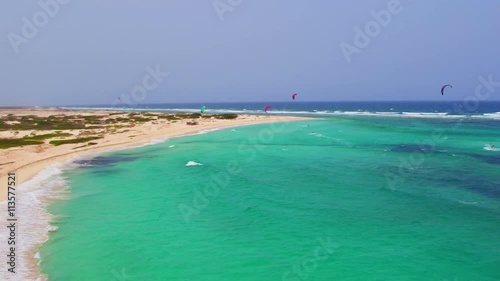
x,y
69,52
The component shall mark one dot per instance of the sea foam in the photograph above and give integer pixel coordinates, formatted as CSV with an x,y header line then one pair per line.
x,y
490,148
32,198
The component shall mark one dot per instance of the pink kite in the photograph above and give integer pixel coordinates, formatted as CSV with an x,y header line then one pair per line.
x,y
294,96
267,108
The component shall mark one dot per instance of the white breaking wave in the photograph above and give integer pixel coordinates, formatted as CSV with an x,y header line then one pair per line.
x,y
193,163
495,115
156,141
467,203
491,148
337,140
316,134
33,225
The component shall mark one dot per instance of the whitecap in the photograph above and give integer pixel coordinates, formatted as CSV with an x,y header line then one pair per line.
x,y
193,163
467,203
491,148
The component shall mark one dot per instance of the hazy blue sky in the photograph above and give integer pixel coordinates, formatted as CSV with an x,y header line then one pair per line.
x,y
92,51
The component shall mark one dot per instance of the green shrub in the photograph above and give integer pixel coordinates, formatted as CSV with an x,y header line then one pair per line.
x,y
226,116
8,143
47,136
79,140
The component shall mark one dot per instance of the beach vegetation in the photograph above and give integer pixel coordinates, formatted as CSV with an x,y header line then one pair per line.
x,y
121,119
169,117
225,116
8,143
38,123
71,141
86,145
140,119
47,136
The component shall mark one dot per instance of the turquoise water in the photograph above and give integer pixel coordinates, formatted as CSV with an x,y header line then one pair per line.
x,y
334,199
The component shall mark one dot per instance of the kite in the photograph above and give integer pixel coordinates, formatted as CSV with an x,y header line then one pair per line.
x,y
442,89
267,108
294,96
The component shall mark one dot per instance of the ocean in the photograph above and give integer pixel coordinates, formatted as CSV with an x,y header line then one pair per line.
x,y
470,108
367,191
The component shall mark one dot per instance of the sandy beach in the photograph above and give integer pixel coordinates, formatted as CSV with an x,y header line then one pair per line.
x,y
27,161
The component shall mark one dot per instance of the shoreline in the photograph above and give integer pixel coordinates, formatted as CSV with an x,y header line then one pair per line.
x,y
27,161
38,173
